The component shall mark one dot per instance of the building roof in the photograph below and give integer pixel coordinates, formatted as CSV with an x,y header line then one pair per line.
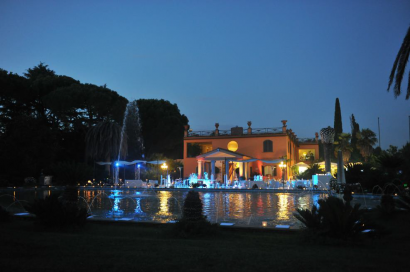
x,y
222,154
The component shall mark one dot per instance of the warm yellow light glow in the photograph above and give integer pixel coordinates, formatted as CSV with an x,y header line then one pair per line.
x,y
302,169
164,166
281,165
232,146
264,224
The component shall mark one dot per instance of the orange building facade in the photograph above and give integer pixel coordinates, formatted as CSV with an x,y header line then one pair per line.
x,y
244,153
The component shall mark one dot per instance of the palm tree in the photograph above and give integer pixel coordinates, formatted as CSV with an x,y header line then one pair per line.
x,y
103,141
366,139
343,144
399,67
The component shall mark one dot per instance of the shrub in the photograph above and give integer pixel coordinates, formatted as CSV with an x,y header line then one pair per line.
x,y
52,212
192,210
4,215
347,193
311,219
387,205
193,222
340,219
403,202
334,218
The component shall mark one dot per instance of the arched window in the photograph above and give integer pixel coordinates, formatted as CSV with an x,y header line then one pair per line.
x,y
267,146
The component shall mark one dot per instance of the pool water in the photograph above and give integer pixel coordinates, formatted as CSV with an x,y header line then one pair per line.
x,y
250,208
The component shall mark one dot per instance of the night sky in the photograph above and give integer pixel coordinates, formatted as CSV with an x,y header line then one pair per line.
x,y
225,61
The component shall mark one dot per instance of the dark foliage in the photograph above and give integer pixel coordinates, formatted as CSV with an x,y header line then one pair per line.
x,y
347,193
162,127
53,212
340,219
192,210
338,120
355,128
312,170
403,202
44,118
193,222
387,205
399,67
310,218
334,218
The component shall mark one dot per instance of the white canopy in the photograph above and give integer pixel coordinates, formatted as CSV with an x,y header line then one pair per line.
x,y
157,162
121,162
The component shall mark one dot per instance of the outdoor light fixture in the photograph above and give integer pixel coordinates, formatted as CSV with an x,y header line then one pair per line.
x,y
282,167
264,223
117,164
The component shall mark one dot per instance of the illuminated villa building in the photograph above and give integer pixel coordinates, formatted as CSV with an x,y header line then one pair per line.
x,y
243,153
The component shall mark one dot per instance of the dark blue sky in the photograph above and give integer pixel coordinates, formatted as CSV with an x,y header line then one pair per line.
x,y
225,61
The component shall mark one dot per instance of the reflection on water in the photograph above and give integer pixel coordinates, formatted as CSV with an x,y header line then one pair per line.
x,y
241,208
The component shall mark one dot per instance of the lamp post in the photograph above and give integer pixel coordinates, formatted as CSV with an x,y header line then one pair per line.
x,y
164,167
282,167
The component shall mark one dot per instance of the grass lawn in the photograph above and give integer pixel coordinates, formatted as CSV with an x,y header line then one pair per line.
x,y
137,247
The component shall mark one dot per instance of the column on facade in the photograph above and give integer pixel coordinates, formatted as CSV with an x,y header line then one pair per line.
x,y
212,170
226,170
200,169
246,170
241,169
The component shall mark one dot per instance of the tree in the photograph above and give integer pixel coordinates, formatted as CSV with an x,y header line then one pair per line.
x,y
162,127
355,128
338,120
44,118
399,67
366,139
343,144
103,141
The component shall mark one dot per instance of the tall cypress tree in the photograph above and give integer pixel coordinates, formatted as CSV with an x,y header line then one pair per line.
x,y
338,120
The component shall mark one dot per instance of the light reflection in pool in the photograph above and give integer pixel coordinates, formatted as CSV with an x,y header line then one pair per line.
x,y
247,208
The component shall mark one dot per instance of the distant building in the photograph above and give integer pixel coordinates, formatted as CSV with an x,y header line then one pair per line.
x,y
243,153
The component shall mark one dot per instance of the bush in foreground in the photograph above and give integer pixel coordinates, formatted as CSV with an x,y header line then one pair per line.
x,y
53,212
193,222
333,218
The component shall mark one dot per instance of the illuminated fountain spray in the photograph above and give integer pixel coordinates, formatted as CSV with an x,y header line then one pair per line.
x,y
131,124
193,178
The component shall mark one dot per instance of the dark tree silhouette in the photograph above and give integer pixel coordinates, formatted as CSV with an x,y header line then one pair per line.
x,y
399,67
338,120
162,127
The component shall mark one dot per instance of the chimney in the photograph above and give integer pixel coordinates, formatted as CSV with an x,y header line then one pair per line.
x,y
284,125
186,130
249,127
317,137
216,129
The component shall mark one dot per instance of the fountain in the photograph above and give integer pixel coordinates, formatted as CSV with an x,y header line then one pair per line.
x,y
130,123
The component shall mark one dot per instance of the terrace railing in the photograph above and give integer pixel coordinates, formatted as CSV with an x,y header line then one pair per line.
x,y
211,133
306,140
